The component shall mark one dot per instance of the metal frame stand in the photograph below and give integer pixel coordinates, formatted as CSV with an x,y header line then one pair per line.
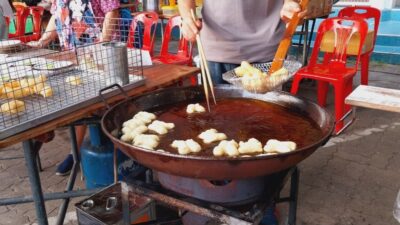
x,y
31,149
145,191
34,179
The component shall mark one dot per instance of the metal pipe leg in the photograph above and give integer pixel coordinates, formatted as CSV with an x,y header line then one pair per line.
x,y
305,47
38,162
294,189
34,179
71,181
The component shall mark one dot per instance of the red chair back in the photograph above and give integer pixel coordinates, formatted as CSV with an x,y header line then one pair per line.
x,y
183,46
149,21
364,12
343,29
37,13
21,14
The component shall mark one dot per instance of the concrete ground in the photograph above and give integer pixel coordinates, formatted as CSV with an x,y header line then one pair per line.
x,y
353,180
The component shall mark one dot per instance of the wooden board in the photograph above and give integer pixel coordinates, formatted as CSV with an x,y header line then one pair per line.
x,y
375,97
158,76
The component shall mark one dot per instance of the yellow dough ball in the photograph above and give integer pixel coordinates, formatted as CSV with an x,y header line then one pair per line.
x,y
13,93
46,91
40,79
73,80
13,107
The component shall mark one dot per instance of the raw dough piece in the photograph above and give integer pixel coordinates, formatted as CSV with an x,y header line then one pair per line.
x,y
133,123
13,107
273,146
73,80
195,108
160,127
250,147
229,148
146,117
211,135
186,147
130,134
149,141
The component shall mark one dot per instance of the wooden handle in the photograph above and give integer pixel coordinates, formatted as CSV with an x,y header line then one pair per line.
x,y
284,45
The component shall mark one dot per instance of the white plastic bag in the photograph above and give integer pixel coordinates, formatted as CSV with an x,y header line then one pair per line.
x,y
396,210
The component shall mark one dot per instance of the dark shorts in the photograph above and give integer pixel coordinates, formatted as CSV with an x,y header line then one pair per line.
x,y
217,69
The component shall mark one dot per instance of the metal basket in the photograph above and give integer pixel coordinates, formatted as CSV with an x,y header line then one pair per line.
x,y
258,85
96,64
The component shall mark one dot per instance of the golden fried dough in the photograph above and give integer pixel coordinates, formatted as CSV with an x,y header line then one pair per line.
x,y
13,107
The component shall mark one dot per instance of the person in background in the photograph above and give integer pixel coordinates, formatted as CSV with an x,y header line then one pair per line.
x,y
126,20
235,31
76,22
6,10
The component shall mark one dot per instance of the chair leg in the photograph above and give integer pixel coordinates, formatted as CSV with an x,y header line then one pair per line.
x,y
295,84
364,68
339,105
347,91
322,92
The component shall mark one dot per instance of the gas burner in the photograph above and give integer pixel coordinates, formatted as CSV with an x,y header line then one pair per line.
x,y
124,203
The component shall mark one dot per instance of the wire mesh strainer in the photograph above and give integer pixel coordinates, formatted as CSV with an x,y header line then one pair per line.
x,y
265,84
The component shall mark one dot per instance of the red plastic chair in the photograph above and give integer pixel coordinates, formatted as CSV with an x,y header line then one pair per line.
x,y
364,12
21,14
334,69
183,56
37,13
149,21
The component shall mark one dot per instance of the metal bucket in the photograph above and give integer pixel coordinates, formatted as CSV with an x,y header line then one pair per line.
x,y
151,5
116,64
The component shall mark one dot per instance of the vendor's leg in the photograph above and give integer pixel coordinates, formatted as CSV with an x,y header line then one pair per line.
x,y
217,69
65,167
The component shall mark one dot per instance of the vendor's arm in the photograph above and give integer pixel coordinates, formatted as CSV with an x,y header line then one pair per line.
x,y
190,28
49,35
290,7
110,24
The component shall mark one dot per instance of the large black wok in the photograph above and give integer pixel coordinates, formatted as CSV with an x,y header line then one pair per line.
x,y
212,167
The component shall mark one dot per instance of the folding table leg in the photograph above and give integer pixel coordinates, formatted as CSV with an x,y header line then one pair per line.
x,y
294,189
34,179
72,177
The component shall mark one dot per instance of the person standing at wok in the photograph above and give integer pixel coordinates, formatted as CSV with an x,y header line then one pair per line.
x,y
237,30
233,31
75,22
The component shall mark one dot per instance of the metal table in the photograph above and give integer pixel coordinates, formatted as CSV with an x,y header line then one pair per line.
x,y
157,76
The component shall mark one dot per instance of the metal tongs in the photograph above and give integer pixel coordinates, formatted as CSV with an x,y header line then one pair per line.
x,y
205,72
284,45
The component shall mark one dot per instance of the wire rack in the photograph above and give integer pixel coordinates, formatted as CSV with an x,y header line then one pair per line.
x,y
40,84
263,85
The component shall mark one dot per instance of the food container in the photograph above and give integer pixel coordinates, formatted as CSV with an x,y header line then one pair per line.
x,y
151,5
116,62
170,10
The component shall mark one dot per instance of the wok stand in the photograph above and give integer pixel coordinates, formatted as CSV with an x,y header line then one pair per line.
x,y
166,207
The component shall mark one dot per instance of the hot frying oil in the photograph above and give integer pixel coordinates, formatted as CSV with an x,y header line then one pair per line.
x,y
240,119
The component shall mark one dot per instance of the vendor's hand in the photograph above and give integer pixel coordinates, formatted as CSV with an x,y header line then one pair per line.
x,y
35,44
290,7
190,28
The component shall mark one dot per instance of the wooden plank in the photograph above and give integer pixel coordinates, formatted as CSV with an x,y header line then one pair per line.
x,y
158,76
375,97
